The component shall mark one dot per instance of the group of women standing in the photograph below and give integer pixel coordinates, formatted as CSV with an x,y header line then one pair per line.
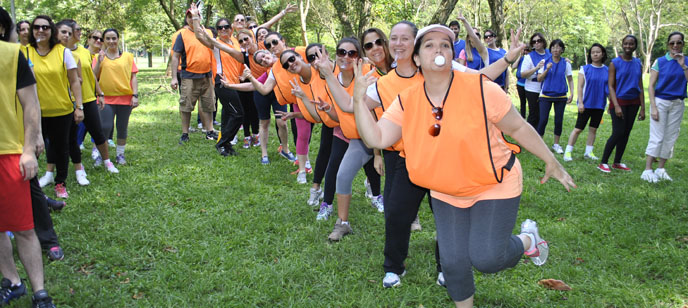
x,y
75,85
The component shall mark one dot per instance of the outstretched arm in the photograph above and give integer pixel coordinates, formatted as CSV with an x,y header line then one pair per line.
x,y
290,8
262,88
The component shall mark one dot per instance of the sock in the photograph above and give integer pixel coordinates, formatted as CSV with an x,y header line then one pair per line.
x,y
588,149
345,222
120,150
569,148
17,285
107,161
50,173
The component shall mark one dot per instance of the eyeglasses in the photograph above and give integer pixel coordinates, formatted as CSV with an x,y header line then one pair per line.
x,y
369,45
270,44
533,42
239,20
241,41
350,53
489,36
310,58
677,43
224,27
41,27
437,113
291,59
252,27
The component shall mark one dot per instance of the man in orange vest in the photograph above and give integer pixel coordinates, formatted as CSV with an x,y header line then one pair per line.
x,y
196,79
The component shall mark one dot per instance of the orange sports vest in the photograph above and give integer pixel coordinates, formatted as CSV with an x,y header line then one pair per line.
x,y
388,87
314,89
257,70
199,58
458,161
346,120
283,88
231,68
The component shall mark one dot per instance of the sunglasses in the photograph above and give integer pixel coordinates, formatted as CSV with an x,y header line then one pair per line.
x,y
310,58
252,27
350,53
369,45
270,44
489,36
437,113
239,20
533,42
241,41
97,38
291,59
41,27
677,43
224,27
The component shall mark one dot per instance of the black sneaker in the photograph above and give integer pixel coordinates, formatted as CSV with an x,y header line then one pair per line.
x,y
54,205
184,138
224,151
9,293
41,299
55,254
211,135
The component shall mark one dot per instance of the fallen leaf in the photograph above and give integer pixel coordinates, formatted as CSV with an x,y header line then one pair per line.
x,y
170,249
125,281
137,295
71,291
118,195
682,239
554,284
526,261
561,219
120,274
202,210
372,281
578,261
421,306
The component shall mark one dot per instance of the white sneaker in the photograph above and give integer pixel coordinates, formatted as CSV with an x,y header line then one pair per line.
x,y
415,225
315,196
82,147
81,177
662,174
392,279
590,156
378,203
234,141
324,212
557,148
111,167
538,254
568,156
440,280
200,125
301,178
48,178
369,190
649,176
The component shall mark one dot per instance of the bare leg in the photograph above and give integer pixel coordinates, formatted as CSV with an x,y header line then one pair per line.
x,y
121,142
592,134
573,137
263,136
186,118
466,303
103,149
30,254
648,162
7,266
343,202
207,120
50,167
556,139
283,133
662,162
302,162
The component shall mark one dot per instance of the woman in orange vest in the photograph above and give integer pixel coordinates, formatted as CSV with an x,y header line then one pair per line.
x,y
475,195
56,75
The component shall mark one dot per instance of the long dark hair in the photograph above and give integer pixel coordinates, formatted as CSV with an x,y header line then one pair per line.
x,y
385,44
116,33
604,53
53,32
7,24
354,41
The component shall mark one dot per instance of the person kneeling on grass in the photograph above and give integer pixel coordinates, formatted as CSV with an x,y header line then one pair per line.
x,y
592,98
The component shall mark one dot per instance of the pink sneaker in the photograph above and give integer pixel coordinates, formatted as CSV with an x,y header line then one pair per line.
x,y
61,191
621,167
604,168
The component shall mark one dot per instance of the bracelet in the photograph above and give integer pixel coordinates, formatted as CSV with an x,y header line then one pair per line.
x,y
509,62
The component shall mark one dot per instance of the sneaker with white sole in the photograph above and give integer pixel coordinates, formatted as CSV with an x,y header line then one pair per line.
x,y
539,250
98,161
325,211
662,175
415,225
234,141
315,196
604,168
392,280
81,177
378,203
120,159
46,179
95,153
61,191
369,190
568,156
621,166
289,156
440,280
111,167
339,231
557,148
649,176
590,156
301,177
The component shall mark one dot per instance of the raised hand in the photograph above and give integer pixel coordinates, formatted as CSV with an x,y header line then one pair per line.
x,y
290,8
361,81
246,75
296,89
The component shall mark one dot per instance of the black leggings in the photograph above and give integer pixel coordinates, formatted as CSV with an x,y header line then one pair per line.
x,y
323,153
56,131
250,121
339,148
621,131
533,108
522,96
93,127
232,115
43,223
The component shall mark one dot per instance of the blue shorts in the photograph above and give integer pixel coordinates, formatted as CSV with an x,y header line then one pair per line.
x,y
263,104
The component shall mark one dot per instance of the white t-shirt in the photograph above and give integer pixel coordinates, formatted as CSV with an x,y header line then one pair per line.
x,y
69,59
531,85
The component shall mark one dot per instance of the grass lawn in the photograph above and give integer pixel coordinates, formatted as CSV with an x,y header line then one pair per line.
x,y
182,226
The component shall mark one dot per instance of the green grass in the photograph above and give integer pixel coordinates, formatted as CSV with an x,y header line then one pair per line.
x,y
182,226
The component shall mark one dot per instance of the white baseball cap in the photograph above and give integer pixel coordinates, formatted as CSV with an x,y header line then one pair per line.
x,y
434,28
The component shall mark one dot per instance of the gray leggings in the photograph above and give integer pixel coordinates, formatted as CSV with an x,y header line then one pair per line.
x,y
355,157
107,118
478,236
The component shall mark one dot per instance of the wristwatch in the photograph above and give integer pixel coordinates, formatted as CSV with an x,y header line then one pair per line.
x,y
81,107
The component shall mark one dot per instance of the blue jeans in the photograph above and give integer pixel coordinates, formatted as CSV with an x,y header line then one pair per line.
x,y
545,106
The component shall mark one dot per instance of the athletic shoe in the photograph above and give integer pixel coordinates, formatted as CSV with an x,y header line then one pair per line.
x,y
264,160
9,293
339,231
662,174
226,151
557,148
234,141
392,279
538,254
184,138
604,168
621,167
54,205
369,191
216,123
315,196
415,225
301,178
98,161
55,254
591,156
82,147
41,299
200,125
61,191
95,153
289,156
324,212
111,143
440,280
81,178
247,142
255,140
48,178
567,156
378,203
649,176
111,167
309,169
120,159
211,135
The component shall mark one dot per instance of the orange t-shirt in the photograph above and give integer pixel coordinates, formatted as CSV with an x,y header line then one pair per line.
x,y
497,104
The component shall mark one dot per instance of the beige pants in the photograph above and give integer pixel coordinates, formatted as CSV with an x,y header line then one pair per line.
x,y
664,133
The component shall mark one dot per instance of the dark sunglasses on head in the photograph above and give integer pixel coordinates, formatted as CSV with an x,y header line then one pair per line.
x,y
489,36
239,20
241,41
350,53
291,59
41,27
437,113
675,43
270,44
533,42
97,38
224,27
252,27
369,45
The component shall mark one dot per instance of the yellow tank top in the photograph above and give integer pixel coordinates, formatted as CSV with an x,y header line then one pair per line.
x,y
11,123
88,79
52,82
115,75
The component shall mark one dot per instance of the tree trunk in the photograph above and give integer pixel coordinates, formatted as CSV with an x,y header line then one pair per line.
x,y
364,17
342,11
443,11
150,58
169,11
208,11
497,18
303,14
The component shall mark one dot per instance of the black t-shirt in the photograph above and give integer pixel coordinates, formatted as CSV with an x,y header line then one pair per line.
x,y
24,74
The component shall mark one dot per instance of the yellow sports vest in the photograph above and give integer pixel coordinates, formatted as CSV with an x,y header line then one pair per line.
x,y
115,75
11,122
88,79
51,82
